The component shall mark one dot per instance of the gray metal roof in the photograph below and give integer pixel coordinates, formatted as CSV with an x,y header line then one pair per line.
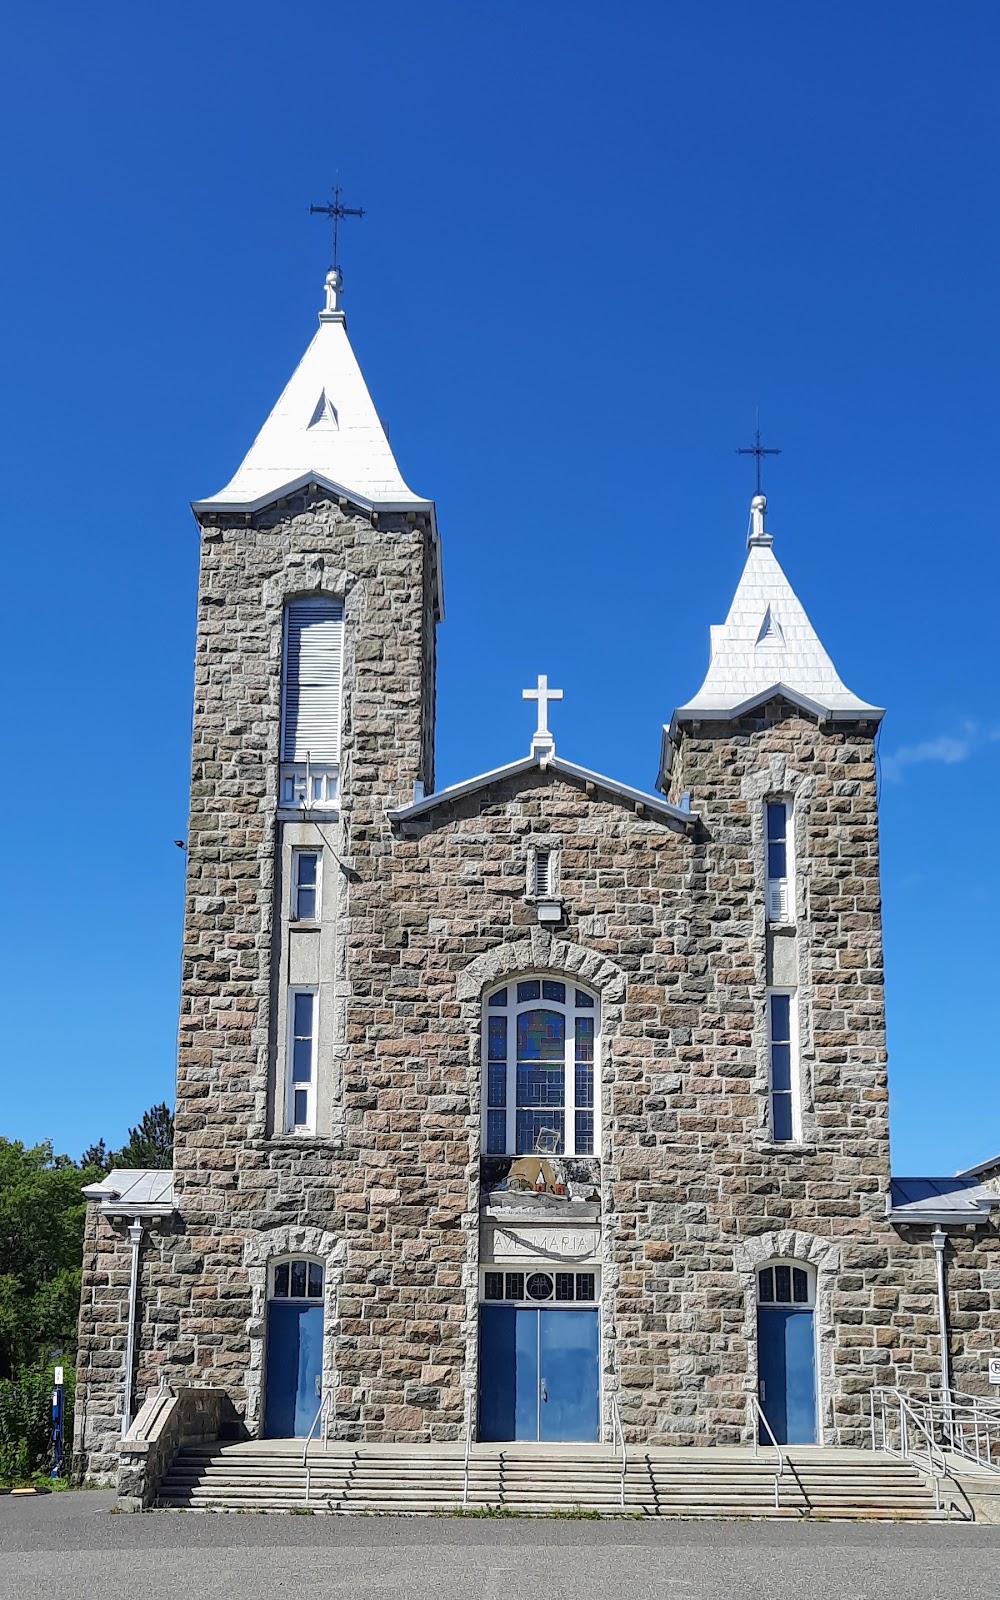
x,y
984,1169
941,1201
135,1192
568,769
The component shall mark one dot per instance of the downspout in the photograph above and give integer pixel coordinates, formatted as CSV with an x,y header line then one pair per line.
x,y
939,1239
135,1233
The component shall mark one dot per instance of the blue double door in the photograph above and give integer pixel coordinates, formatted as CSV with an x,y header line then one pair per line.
x,y
539,1374
294,1368
786,1356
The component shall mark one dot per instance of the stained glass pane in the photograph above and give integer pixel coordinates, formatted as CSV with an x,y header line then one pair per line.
x,y
529,990
496,1088
781,1018
564,1285
539,1286
584,1038
584,999
585,1133
496,1133
781,1117
541,1036
540,1133
315,1281
554,991
585,1286
781,1067
766,1284
540,1086
497,1034
585,1087
499,999
494,1286
298,1280
515,1286
281,1281
783,1285
301,1112
800,1286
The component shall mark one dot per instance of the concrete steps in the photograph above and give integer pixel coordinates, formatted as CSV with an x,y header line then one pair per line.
x,y
268,1475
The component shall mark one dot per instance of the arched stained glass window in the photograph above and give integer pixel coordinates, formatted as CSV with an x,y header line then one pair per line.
x,y
541,1054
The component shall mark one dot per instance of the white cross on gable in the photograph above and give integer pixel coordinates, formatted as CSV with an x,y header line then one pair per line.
x,y
543,743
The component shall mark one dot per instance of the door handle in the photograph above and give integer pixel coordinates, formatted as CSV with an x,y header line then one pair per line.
x,y
763,1390
319,1385
545,1392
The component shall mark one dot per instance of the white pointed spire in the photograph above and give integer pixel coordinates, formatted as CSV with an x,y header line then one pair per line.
x,y
767,645
324,429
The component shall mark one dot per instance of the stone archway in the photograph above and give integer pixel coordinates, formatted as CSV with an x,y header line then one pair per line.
x,y
791,1244
258,1252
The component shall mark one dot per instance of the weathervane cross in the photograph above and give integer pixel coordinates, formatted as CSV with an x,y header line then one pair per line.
x,y
758,450
335,210
543,743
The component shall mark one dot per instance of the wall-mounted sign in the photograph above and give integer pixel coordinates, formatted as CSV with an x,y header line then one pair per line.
x,y
523,1241
994,1372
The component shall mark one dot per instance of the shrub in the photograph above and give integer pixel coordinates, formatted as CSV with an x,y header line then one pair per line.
x,y
26,1425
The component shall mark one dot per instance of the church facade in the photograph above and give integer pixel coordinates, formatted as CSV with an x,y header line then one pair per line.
x,y
538,1104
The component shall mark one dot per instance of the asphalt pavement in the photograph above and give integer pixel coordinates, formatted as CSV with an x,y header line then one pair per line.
x,y
71,1546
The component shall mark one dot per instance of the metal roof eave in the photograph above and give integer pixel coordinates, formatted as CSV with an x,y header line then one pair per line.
x,y
207,508
568,769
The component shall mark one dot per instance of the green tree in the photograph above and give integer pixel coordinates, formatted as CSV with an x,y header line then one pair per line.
x,y
151,1144
41,1245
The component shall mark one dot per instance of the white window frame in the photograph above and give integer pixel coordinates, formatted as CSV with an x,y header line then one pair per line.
x,y
570,1011
298,851
780,893
301,1130
809,1303
793,1065
287,1261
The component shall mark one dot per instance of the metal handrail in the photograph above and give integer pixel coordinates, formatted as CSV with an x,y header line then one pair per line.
x,y
971,1427
616,1418
468,1450
321,1414
910,1408
757,1408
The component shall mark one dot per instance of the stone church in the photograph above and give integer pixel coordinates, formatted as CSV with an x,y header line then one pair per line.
x,y
536,1107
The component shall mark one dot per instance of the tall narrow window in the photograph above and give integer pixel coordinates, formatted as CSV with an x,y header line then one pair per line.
x,y
541,1059
779,902
781,1023
302,1009
311,690
305,885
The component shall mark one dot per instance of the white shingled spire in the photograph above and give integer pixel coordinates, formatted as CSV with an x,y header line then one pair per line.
x,y
768,646
324,429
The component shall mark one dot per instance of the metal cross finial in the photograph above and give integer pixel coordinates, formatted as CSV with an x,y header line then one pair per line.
x,y
758,450
335,211
543,743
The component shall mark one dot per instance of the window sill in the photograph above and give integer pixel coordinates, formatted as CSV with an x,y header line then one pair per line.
x,y
795,1147
299,1141
304,925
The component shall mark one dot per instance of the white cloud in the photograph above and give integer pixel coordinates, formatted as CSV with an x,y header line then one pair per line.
x,y
948,749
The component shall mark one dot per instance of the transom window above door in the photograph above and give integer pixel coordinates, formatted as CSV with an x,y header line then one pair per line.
x,y
785,1284
297,1280
541,1059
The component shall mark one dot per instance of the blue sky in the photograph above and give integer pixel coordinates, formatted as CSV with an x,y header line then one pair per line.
x,y
596,238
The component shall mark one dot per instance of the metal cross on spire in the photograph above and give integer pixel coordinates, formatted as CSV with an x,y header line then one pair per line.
x,y
758,450
335,210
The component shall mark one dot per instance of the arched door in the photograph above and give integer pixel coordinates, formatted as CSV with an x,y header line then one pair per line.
x,y
294,1377
786,1352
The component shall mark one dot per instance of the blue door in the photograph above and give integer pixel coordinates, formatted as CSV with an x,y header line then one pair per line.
x,y
786,1354
539,1374
294,1368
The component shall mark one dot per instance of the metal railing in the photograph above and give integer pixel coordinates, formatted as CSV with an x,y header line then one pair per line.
x,y
913,1419
321,1417
616,1420
468,1450
970,1428
757,1412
